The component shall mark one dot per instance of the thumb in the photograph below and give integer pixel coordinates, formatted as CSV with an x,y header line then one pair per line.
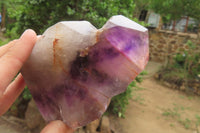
x,y
57,127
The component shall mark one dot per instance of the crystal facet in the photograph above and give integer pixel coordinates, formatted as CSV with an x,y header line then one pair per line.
x,y
75,69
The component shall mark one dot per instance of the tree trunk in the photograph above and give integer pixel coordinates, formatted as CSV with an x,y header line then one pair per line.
x,y
186,25
174,25
3,13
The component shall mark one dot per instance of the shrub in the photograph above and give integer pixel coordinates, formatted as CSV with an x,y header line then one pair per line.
x,y
184,69
40,14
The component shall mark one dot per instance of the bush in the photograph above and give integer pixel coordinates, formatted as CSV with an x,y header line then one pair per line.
x,y
40,14
119,103
184,69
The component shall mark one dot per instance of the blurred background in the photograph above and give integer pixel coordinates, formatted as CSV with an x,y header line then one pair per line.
x,y
162,99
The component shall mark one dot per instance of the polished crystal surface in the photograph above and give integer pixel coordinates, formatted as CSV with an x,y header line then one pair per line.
x,y
74,69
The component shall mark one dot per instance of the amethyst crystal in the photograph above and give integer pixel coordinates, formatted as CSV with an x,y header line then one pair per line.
x,y
75,69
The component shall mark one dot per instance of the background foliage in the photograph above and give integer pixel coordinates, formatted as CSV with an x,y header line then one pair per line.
x,y
188,61
174,9
183,68
40,14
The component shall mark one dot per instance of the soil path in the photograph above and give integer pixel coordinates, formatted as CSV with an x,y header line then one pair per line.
x,y
158,109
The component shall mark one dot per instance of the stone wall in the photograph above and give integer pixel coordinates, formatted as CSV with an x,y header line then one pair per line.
x,y
165,43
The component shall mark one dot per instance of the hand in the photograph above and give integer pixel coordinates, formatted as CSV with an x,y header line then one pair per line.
x,y
12,57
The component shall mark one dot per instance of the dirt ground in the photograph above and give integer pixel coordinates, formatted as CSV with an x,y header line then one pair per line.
x,y
9,124
158,109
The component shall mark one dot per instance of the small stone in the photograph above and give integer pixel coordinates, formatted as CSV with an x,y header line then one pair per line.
x,y
33,117
92,127
182,88
105,125
156,76
160,46
167,84
198,129
80,130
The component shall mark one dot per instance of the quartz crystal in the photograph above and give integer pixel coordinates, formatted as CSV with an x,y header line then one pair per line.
x,y
74,69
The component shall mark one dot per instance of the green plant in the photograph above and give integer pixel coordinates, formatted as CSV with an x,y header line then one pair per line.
x,y
171,112
12,33
26,94
139,99
175,9
175,113
197,120
171,125
40,14
186,123
184,67
119,103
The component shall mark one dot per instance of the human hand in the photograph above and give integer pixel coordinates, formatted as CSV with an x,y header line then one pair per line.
x,y
12,57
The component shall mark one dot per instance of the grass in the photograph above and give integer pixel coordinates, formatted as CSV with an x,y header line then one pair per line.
x,y
171,125
136,96
182,97
137,88
190,97
139,99
171,112
179,74
197,120
186,123
176,112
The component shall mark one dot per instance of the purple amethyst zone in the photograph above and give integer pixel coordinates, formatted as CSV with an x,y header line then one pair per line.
x,y
84,94
131,43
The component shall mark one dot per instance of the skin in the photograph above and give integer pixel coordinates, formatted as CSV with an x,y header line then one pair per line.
x,y
12,57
